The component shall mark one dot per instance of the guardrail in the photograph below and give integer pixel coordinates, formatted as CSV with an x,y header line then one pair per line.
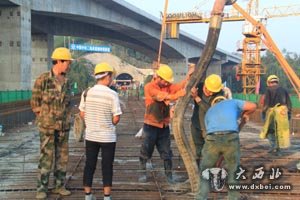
x,y
14,95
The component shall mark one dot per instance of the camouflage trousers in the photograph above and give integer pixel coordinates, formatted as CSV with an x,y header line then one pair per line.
x,y
227,145
54,154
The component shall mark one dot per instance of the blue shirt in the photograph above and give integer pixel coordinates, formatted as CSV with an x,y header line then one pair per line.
x,y
224,116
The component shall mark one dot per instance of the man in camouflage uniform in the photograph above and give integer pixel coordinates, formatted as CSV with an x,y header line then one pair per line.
x,y
51,103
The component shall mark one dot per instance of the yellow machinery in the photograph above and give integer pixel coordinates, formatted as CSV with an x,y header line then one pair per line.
x,y
251,68
255,36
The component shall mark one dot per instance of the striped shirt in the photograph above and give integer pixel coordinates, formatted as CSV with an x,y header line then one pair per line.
x,y
100,106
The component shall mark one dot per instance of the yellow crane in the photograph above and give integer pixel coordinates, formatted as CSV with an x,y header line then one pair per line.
x,y
250,69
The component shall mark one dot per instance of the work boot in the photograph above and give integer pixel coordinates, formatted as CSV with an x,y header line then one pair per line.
x,y
41,195
170,179
90,197
62,191
168,171
143,175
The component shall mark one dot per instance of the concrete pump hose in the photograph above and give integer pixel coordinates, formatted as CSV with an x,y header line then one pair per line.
x,y
180,107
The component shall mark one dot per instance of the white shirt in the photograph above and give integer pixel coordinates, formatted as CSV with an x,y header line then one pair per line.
x,y
100,106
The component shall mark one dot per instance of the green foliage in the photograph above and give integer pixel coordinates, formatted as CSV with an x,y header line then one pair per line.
x,y
273,67
81,72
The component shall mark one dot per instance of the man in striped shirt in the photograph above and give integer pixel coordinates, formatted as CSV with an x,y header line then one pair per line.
x,y
101,111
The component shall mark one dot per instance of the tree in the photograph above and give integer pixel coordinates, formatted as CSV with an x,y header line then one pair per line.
x,y
81,72
273,67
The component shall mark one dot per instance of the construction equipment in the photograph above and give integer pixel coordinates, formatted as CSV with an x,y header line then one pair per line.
x,y
260,30
181,105
250,69
210,46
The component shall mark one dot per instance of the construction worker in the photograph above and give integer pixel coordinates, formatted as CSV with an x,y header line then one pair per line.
x,y
158,93
101,111
202,101
51,104
222,139
276,97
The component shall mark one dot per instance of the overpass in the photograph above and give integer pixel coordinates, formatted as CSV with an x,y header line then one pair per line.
x,y
28,27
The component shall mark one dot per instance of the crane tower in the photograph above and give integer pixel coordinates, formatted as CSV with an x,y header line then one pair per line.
x,y
251,68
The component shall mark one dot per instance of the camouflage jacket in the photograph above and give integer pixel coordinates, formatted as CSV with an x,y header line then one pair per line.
x,y
51,102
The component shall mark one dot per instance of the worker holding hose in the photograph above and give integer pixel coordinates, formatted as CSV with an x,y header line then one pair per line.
x,y
222,139
158,93
202,101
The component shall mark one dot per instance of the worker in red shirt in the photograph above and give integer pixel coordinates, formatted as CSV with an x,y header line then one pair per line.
x,y
158,93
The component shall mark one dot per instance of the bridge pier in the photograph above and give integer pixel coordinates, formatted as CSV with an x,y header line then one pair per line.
x,y
179,67
15,47
215,67
42,46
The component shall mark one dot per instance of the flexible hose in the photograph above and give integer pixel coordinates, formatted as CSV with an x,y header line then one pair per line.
x,y
180,107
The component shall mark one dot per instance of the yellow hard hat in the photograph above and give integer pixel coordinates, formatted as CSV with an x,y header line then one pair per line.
x,y
61,53
213,83
272,78
165,72
103,67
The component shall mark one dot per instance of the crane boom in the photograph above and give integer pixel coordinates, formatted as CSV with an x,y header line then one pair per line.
x,y
268,41
202,17
281,11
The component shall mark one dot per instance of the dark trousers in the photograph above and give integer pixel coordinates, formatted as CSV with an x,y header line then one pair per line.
x,y
197,135
159,137
107,154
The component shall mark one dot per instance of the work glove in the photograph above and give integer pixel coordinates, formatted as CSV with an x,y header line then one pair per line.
x,y
139,134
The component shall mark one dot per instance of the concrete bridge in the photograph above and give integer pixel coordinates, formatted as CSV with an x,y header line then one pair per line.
x,y
28,27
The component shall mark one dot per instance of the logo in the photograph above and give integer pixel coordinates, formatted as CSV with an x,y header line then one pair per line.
x,y
216,176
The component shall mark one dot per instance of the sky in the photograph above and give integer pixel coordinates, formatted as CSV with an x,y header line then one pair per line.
x,y
285,31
